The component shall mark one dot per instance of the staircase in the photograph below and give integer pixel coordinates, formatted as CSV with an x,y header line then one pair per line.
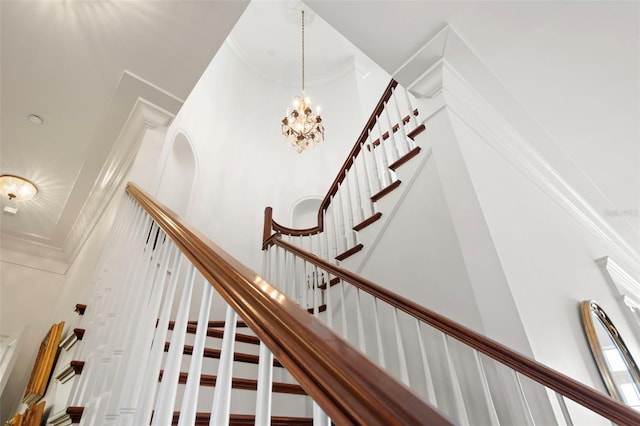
x,y
288,397
308,341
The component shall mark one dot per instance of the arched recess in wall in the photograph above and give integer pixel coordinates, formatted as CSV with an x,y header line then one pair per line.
x,y
178,178
304,213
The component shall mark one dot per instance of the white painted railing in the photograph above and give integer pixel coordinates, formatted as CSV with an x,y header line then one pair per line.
x,y
385,143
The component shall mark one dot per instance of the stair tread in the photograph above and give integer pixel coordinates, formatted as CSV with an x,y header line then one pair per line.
x,y
350,252
367,221
385,191
405,158
248,419
241,383
215,353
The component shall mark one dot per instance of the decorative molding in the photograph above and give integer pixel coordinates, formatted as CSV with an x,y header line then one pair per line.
x,y
68,342
627,287
74,368
349,66
66,417
486,106
136,105
80,308
79,332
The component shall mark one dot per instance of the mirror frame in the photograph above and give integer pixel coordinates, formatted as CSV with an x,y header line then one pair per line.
x,y
587,308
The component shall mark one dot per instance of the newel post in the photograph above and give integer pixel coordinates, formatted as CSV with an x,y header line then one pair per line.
x,y
268,226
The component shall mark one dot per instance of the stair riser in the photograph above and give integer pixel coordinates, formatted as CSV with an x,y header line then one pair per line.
x,y
244,401
216,343
210,366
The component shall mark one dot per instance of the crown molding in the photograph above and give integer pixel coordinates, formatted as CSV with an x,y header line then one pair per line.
x,y
136,106
347,67
627,287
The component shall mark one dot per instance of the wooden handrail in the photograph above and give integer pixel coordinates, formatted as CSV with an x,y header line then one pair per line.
x,y
595,401
349,387
333,189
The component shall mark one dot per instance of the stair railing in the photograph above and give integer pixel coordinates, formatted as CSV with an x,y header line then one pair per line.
x,y
385,143
445,363
156,267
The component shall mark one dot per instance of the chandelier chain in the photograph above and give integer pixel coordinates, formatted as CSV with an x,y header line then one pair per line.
x,y
303,51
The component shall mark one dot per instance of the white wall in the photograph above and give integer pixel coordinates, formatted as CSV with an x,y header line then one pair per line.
x,y
548,258
232,118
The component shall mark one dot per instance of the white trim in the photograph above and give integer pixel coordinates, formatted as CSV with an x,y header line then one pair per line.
x,y
628,288
510,136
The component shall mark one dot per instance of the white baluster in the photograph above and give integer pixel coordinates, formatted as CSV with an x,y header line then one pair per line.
x,y
320,418
367,181
458,399
403,132
388,177
190,398
361,342
395,154
565,411
376,174
222,397
169,386
265,383
325,235
332,204
412,117
493,414
329,302
350,230
343,310
305,283
143,341
402,359
431,392
341,220
376,317
317,292
145,401
526,409
359,209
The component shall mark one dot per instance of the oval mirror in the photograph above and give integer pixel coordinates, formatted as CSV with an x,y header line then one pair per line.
x,y
618,369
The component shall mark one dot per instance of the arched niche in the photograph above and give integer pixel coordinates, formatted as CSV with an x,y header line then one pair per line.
x,y
304,213
178,177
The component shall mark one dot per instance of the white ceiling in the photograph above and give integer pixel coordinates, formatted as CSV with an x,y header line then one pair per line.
x,y
80,65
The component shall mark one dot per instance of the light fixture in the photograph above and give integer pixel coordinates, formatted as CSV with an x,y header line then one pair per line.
x,y
35,119
17,188
301,127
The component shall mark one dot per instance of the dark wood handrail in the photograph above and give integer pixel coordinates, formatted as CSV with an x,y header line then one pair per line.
x,y
333,189
349,387
595,401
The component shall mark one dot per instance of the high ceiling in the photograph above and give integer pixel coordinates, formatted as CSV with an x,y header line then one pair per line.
x,y
80,66
572,65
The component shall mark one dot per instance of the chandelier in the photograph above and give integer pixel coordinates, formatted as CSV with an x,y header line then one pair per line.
x,y
301,127
17,188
